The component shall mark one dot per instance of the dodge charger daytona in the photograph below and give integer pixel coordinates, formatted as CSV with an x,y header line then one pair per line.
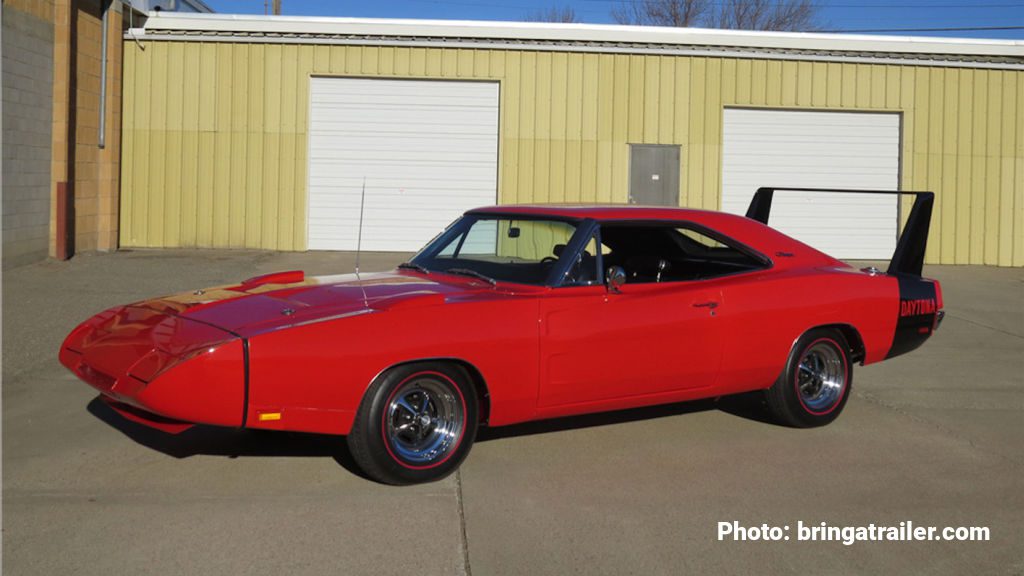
x,y
512,314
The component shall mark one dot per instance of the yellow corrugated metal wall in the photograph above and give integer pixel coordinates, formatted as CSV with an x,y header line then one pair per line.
x,y
215,133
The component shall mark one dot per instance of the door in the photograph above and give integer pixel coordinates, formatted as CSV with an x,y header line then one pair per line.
x,y
646,340
654,175
425,150
796,148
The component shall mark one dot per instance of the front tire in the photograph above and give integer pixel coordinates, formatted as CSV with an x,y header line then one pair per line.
x,y
415,424
815,384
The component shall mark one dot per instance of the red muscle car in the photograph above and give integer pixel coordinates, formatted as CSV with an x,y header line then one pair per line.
x,y
517,313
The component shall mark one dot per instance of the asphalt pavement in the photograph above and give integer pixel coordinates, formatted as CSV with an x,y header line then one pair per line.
x,y
934,437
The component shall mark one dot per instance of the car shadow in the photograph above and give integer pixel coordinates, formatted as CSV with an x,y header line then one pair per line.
x,y
749,406
228,442
247,442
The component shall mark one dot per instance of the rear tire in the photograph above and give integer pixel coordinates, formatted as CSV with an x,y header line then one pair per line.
x,y
815,384
415,424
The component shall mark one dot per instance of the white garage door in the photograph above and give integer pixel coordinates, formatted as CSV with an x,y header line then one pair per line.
x,y
428,151
843,150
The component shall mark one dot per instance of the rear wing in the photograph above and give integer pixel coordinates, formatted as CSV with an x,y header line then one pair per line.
x,y
909,255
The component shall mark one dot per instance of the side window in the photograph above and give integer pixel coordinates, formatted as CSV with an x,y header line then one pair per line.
x,y
699,238
672,253
584,271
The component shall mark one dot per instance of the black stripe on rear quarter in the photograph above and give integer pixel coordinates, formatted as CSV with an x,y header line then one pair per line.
x,y
917,309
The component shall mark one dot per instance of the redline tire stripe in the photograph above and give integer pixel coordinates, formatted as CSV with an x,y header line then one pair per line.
x,y
846,377
383,421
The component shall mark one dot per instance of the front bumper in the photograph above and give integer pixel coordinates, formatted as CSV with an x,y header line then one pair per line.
x,y
149,419
159,369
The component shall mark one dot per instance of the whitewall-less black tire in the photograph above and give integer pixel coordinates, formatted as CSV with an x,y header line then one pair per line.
x,y
416,423
816,382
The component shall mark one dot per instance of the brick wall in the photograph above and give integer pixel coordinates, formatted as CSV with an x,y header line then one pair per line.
x,y
77,158
27,109
87,105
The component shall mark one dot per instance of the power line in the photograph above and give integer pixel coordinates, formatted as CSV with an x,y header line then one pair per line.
x,y
958,29
823,5
729,2
928,6
483,4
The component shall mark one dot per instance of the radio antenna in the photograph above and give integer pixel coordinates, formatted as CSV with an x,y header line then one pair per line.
x,y
359,242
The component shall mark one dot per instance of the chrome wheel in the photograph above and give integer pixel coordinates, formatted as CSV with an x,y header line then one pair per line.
x,y
821,377
424,420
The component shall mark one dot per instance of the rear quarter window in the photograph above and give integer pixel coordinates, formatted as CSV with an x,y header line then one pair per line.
x,y
674,252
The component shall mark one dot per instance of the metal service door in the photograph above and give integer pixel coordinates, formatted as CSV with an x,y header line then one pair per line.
x,y
654,175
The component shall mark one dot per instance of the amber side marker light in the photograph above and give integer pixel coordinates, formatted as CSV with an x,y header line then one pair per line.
x,y
267,416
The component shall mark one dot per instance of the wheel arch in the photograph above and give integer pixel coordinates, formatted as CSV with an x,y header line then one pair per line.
x,y
852,336
473,373
784,395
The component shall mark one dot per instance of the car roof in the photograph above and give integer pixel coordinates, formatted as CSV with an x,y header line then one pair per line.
x,y
748,231
600,211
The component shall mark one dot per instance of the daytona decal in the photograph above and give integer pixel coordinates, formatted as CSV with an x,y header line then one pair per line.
x,y
916,314
917,307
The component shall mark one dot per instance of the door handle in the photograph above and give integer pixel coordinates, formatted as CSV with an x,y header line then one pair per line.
x,y
711,305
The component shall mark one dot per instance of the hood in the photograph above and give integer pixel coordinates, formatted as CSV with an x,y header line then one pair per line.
x,y
288,298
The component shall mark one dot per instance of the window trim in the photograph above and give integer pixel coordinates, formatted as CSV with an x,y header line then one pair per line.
x,y
557,271
765,261
584,232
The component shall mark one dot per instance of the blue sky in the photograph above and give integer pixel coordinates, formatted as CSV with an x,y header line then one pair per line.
x,y
839,14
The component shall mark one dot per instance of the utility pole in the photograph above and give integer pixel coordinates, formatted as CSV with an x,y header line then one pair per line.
x,y
277,7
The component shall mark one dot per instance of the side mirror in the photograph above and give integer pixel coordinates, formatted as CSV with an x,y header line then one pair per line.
x,y
615,277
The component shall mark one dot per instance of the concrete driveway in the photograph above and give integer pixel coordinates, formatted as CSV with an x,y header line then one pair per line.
x,y
934,438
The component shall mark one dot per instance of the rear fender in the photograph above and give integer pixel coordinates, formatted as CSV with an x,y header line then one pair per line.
x,y
919,313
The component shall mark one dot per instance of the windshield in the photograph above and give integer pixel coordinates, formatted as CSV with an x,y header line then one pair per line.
x,y
499,247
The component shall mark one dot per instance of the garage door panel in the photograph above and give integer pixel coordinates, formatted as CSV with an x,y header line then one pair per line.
x,y
475,175
439,187
407,151
404,142
427,150
395,95
420,200
397,127
406,118
406,125
413,114
779,130
866,150
384,142
404,155
357,98
811,149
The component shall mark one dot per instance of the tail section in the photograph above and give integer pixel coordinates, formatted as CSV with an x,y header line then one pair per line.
x,y
920,311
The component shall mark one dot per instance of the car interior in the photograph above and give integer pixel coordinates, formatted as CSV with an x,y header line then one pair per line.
x,y
517,251
584,271
659,253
